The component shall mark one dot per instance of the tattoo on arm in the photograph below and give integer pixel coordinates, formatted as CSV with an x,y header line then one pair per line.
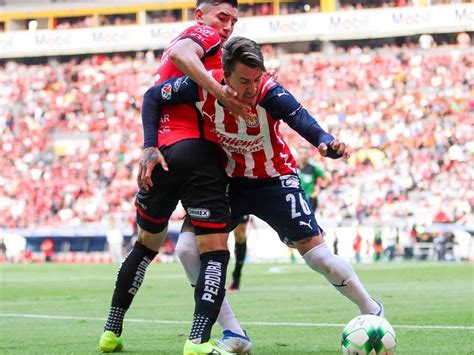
x,y
150,156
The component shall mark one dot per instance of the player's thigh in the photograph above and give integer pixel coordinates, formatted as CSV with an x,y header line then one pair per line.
x,y
286,209
240,194
155,205
204,194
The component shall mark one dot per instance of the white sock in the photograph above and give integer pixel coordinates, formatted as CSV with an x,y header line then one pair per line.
x,y
341,275
187,252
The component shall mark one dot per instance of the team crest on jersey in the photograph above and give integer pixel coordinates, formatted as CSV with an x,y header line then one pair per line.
x,y
252,121
166,91
289,181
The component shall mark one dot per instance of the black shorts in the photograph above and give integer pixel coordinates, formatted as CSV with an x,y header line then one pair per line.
x,y
314,203
197,177
244,220
279,201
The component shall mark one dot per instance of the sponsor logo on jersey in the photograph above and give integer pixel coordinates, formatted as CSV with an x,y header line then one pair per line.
x,y
205,31
166,91
177,84
289,181
199,212
238,145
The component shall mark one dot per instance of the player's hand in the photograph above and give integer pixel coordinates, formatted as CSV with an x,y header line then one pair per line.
x,y
340,147
150,158
228,97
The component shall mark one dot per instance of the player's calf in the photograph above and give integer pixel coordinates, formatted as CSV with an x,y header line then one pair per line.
x,y
209,294
341,275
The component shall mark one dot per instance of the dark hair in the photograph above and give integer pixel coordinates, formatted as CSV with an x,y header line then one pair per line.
x,y
241,50
233,3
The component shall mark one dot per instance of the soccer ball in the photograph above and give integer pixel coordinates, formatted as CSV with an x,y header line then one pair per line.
x,y
368,335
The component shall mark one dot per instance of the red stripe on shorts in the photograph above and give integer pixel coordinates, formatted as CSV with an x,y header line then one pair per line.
x,y
208,224
156,220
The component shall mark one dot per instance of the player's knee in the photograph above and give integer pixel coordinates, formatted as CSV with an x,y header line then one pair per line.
x,y
319,265
240,236
321,259
332,266
212,242
152,241
186,248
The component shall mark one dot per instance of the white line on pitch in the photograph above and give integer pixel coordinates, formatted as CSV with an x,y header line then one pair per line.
x,y
286,324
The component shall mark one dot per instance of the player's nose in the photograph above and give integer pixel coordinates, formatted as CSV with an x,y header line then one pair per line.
x,y
228,28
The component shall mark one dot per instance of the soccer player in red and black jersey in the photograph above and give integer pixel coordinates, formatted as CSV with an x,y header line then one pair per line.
x,y
263,174
179,163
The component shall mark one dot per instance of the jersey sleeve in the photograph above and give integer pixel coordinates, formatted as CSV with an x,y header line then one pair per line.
x,y
206,37
281,104
171,92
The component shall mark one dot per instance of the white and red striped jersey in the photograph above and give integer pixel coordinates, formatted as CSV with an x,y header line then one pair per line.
x,y
253,150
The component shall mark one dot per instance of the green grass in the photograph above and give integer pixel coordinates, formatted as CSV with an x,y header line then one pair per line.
x,y
414,294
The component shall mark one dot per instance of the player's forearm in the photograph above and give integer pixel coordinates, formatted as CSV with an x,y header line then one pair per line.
x,y
150,119
189,62
304,124
172,92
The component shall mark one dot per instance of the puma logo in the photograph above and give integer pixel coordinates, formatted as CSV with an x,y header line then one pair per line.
x,y
302,223
211,117
283,93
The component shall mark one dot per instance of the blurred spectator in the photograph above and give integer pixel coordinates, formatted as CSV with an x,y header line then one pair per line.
x,y
356,245
407,242
164,16
259,9
118,20
47,247
3,250
64,23
115,239
299,7
378,244
390,239
365,4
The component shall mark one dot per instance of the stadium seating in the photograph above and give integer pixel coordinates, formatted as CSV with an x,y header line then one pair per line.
x,y
71,134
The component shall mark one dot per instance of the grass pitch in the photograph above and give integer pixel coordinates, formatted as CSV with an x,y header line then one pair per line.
x,y
286,309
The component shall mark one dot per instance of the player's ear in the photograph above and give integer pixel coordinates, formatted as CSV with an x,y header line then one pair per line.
x,y
199,16
226,78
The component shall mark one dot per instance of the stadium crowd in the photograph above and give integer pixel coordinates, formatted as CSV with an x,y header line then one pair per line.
x,y
71,134
408,116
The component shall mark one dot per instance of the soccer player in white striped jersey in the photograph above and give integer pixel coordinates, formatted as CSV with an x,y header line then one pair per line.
x,y
258,160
